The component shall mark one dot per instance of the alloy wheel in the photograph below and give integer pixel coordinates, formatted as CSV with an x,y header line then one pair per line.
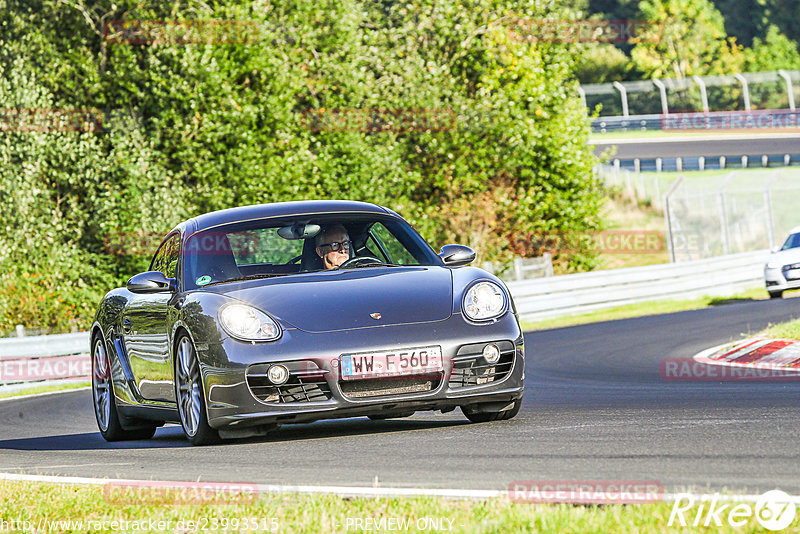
x,y
101,385
188,387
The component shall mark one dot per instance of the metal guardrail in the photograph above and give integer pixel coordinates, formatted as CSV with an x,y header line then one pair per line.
x,y
655,95
767,120
41,358
44,346
584,292
629,123
705,163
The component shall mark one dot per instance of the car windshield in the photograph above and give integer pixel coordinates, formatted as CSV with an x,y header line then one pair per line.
x,y
793,241
269,248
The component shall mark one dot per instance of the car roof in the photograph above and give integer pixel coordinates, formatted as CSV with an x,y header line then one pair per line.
x,y
795,230
279,209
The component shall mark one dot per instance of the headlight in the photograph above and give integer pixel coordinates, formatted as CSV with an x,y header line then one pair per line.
x,y
773,265
484,300
247,323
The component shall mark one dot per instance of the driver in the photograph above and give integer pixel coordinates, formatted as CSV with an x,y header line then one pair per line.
x,y
333,245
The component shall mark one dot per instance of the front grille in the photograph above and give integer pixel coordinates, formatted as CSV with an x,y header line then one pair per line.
x,y
470,369
304,384
381,387
792,266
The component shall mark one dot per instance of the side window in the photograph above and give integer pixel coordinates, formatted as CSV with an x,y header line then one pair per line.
x,y
158,258
166,259
390,246
172,255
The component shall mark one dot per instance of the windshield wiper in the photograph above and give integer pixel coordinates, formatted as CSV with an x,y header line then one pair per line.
x,y
248,277
371,264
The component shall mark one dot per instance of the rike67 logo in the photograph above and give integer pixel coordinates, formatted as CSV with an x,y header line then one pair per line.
x,y
774,510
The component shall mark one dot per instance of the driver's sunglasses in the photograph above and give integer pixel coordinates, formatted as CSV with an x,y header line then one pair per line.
x,y
336,246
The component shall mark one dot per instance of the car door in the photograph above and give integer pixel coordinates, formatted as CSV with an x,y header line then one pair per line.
x,y
145,329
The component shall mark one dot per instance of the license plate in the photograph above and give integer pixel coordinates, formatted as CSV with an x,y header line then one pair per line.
x,y
792,274
419,360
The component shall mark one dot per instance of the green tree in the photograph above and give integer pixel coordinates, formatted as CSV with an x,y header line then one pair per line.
x,y
46,278
690,40
614,9
774,52
749,19
744,19
229,122
66,194
602,63
783,13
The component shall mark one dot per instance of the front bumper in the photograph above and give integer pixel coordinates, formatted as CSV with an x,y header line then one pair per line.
x,y
777,279
313,360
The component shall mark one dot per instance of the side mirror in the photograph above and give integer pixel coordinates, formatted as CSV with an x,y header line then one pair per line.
x,y
457,255
151,282
774,249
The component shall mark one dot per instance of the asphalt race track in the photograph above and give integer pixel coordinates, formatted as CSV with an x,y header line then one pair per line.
x,y
687,147
595,408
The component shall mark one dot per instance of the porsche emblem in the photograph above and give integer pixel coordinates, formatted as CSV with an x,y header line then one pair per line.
x,y
375,315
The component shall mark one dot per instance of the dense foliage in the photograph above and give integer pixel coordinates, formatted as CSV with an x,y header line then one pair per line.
x,y
495,146
697,37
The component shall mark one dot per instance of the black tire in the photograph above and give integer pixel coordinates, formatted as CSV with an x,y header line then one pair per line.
x,y
775,294
190,394
485,417
104,400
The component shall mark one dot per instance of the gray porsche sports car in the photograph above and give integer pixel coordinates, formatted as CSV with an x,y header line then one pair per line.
x,y
292,312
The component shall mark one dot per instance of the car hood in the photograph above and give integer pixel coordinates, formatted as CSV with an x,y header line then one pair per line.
x,y
341,300
786,257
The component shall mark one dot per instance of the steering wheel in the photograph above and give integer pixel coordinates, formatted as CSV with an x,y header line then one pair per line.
x,y
359,260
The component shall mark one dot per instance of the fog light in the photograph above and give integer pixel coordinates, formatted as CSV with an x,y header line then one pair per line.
x,y
491,353
278,374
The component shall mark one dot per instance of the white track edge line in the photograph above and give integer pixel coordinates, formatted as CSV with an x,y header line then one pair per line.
x,y
44,393
359,491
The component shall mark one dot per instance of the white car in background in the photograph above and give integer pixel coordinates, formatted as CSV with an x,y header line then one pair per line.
x,y
782,270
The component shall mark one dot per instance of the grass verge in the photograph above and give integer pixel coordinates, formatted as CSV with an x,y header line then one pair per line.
x,y
787,330
55,508
627,215
645,308
45,389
